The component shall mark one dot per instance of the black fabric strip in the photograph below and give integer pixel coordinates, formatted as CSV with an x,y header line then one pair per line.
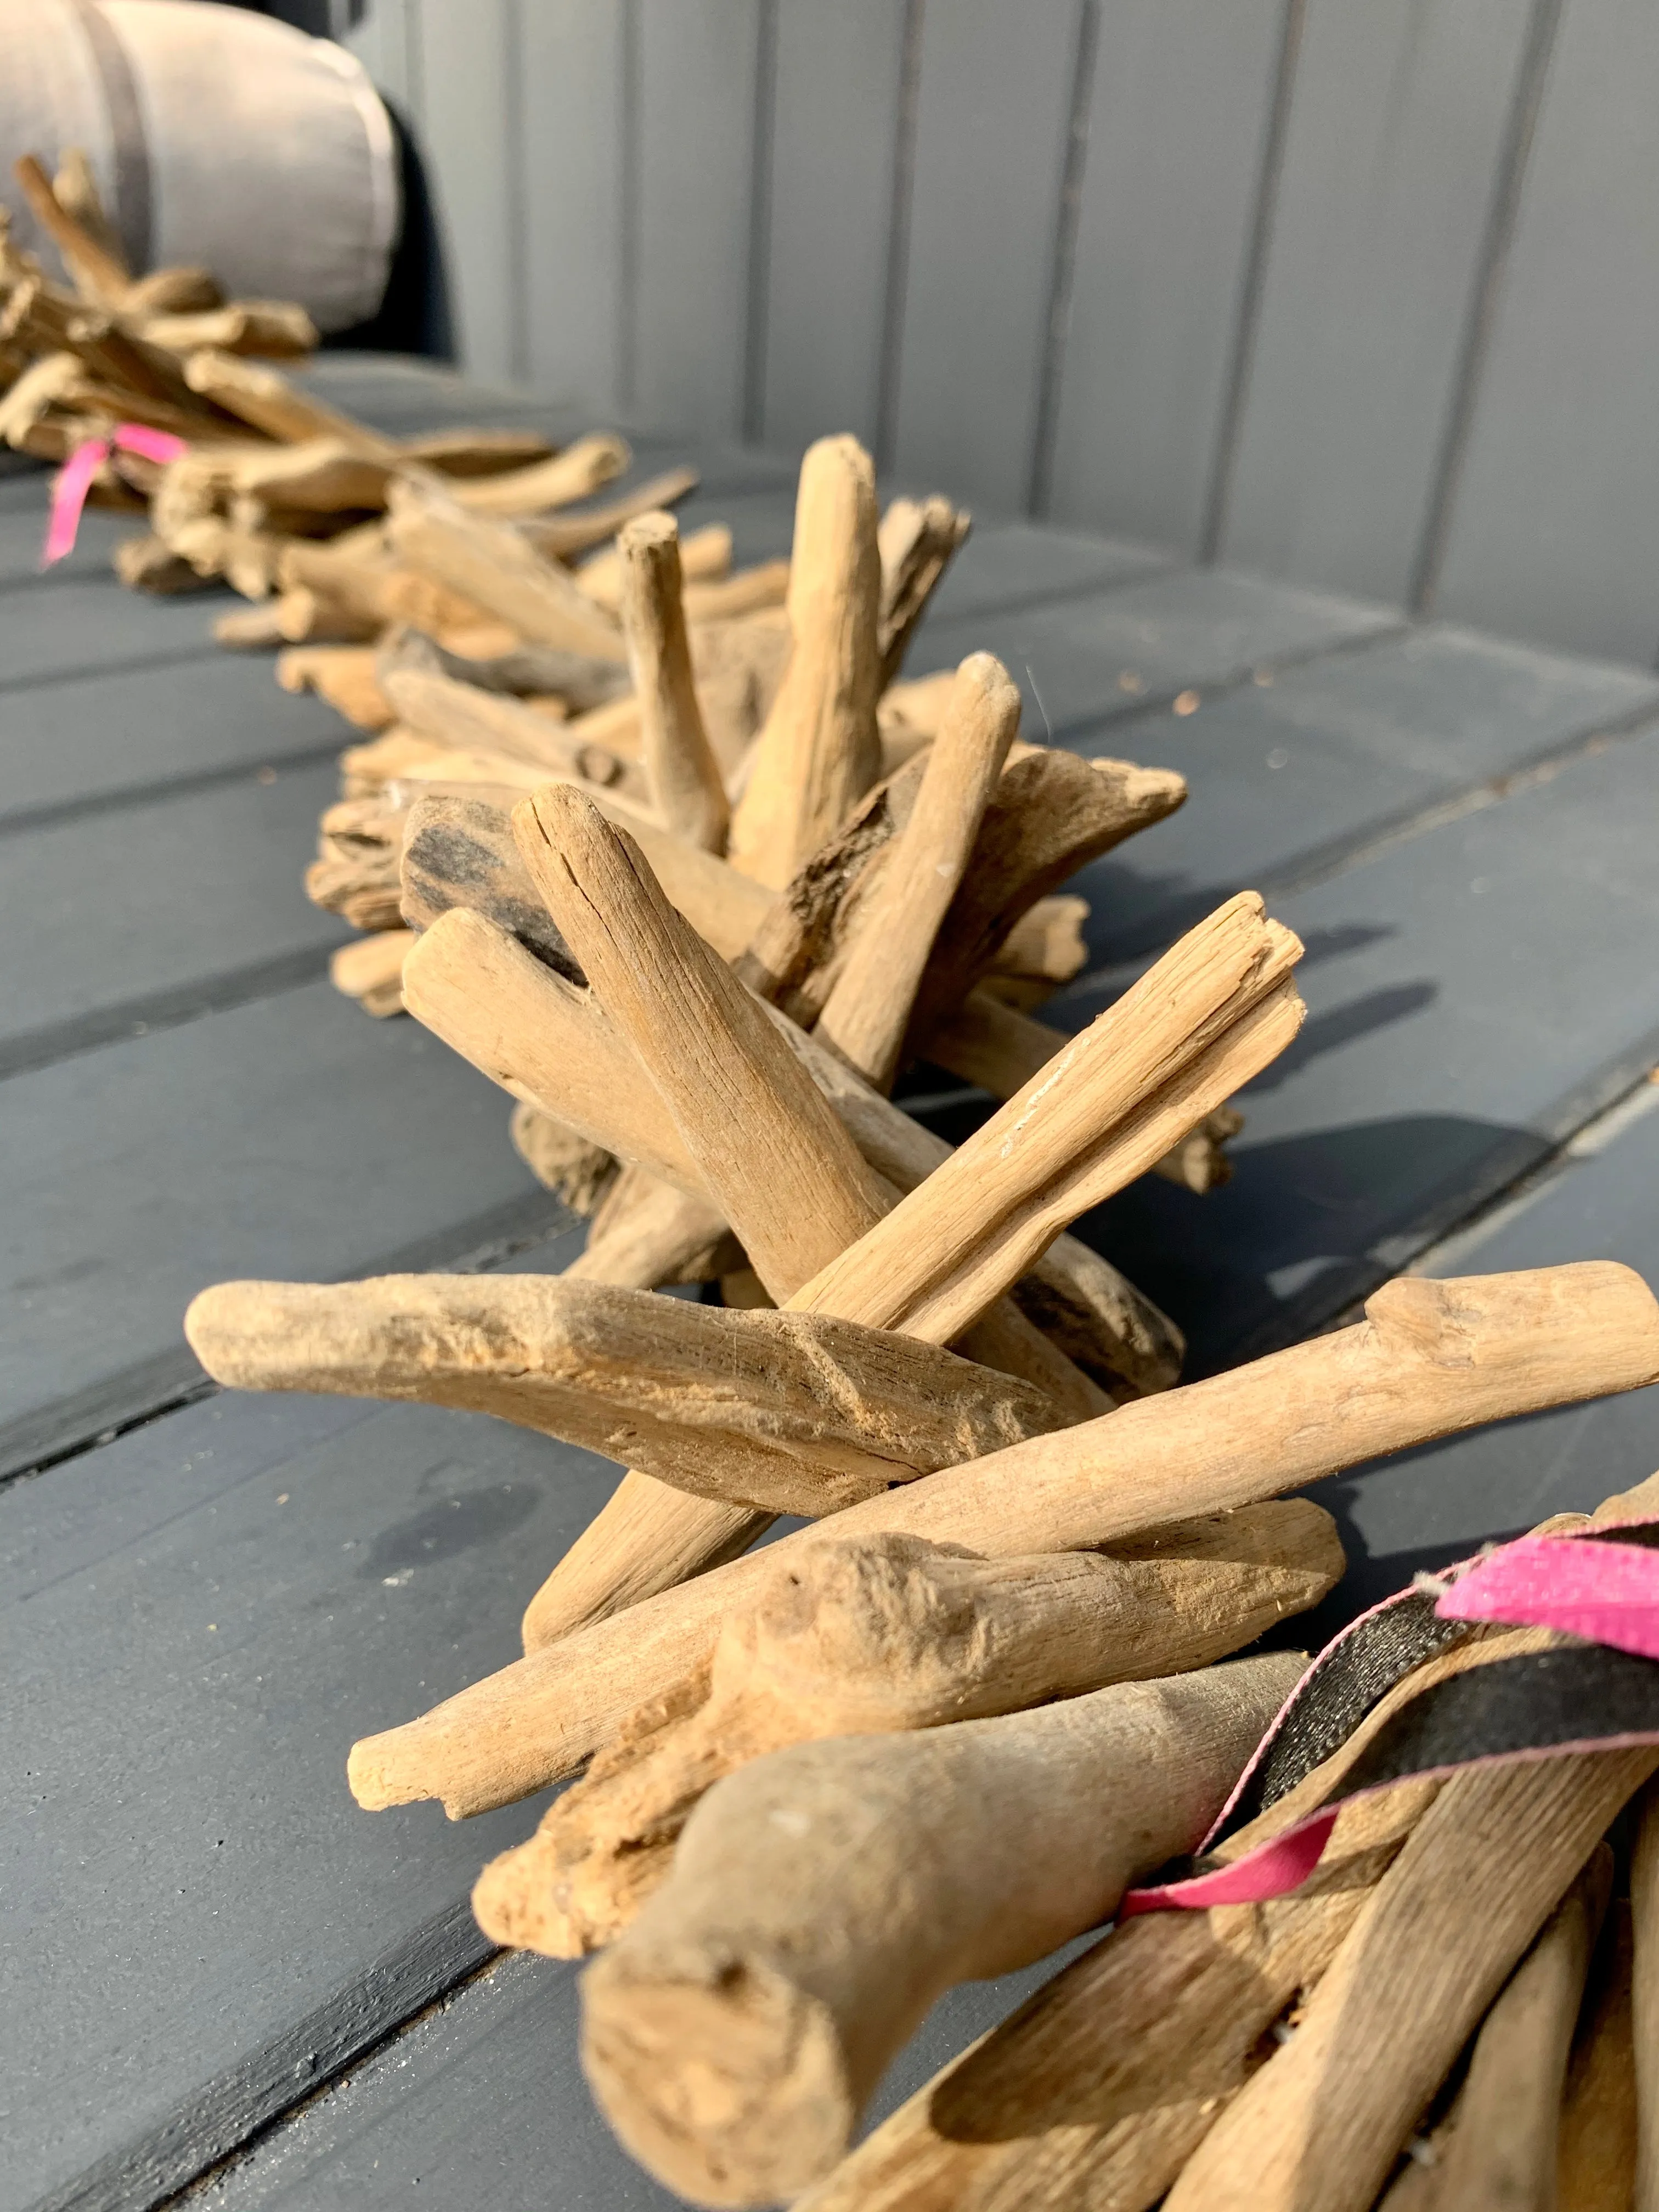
x,y
1575,1697
134,212
1348,1680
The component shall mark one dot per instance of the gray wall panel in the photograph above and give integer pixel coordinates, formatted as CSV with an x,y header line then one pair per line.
x,y
570,93
1183,89
835,127
1555,533
995,103
696,118
1397,121
468,129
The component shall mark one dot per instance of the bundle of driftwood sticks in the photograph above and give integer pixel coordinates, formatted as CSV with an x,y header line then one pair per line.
x,y
827,1779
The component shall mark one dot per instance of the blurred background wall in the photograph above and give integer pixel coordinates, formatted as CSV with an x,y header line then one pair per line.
x,y
1362,293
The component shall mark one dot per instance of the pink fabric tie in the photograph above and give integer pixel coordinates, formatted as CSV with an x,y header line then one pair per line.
x,y
75,478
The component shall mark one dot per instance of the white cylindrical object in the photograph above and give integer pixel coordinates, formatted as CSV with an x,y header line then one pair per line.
x,y
217,138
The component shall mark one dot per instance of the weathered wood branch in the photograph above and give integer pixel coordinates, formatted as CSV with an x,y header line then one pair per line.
x,y
680,770
1430,1359
820,750
781,1412
823,1898
917,540
1320,2126
885,1634
497,567
866,1014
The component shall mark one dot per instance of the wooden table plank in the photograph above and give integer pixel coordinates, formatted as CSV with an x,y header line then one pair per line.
x,y
140,917
197,1621
1088,662
292,1137
93,743
1287,779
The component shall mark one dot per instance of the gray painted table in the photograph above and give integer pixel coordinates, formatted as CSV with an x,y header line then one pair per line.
x,y
222,1971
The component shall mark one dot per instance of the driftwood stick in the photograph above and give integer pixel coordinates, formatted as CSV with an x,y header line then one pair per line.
x,y
823,1898
460,852
1502,2155
1001,1049
583,468
649,1235
1429,1359
917,540
1320,2126
705,557
782,1413
562,1159
680,770
886,1634
462,716
371,971
563,537
1051,814
866,1014
768,1146
495,566
97,273
1214,1011
580,680
1598,2146
270,402
820,750
1645,1994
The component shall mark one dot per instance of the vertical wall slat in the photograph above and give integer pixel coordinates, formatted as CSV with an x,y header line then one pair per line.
x,y
696,162
834,125
1182,91
571,99
466,54
1554,533
1397,127
991,134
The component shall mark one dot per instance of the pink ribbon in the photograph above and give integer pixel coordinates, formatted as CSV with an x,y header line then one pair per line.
x,y
1606,1592
75,478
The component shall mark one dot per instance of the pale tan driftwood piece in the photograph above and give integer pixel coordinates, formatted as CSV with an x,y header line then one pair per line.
x,y
468,451
883,1634
1212,1012
705,557
823,1898
562,1159
867,1012
459,851
820,750
355,871
650,1236
271,404
371,971
1502,2155
916,540
1000,1049
495,566
1051,814
343,675
1319,2128
1097,2090
562,536
144,563
578,678
462,716
276,330
681,775
750,591
580,470
1645,1991
1430,1359
1597,2167
782,1413
98,272
766,1144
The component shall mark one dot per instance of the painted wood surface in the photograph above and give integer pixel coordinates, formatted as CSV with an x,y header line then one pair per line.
x,y
1356,292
